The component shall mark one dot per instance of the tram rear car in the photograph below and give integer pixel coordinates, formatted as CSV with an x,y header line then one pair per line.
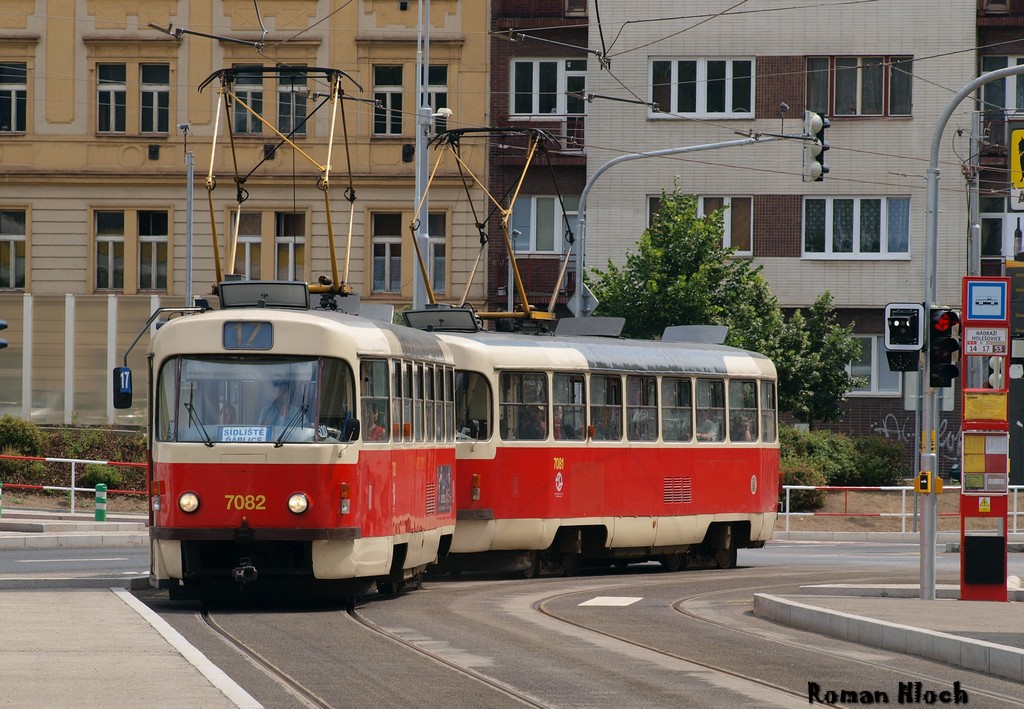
x,y
585,449
276,462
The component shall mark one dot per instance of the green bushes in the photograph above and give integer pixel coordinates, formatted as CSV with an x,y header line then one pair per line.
x,y
828,458
20,437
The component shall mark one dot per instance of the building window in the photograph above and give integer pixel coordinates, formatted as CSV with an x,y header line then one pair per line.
x,y
703,87
153,250
387,92
437,227
387,252
12,248
437,94
290,245
857,227
292,93
738,223
540,86
13,97
248,90
248,247
543,223
109,250
154,98
860,86
873,366
111,93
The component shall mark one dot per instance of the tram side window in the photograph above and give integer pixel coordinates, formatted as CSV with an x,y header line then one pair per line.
x,y
606,407
472,406
338,400
676,409
642,408
373,380
524,406
407,422
742,410
396,400
570,406
769,429
429,396
417,400
710,410
449,405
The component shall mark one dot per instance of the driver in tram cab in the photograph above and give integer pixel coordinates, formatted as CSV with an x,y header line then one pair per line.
x,y
280,411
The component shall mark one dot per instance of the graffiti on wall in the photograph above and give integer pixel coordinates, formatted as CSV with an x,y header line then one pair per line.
x,y
893,428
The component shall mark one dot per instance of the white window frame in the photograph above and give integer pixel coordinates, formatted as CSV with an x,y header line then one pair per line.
x,y
159,96
438,251
108,96
115,251
889,85
248,88
568,79
288,244
701,110
727,236
389,98
16,94
879,363
882,254
292,93
388,242
437,94
16,247
152,244
524,219
249,247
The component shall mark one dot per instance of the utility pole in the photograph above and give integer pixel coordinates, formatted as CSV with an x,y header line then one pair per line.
x,y
423,117
189,194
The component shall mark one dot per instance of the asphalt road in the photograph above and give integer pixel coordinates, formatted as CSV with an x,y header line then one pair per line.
x,y
639,638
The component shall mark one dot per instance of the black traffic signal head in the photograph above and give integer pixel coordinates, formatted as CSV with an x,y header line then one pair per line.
x,y
904,326
943,347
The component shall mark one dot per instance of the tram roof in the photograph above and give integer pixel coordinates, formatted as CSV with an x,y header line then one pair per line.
x,y
503,350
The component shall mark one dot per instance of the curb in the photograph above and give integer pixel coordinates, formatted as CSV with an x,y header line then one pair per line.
x,y
978,655
130,583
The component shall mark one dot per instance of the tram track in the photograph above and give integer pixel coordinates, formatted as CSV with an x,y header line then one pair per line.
x,y
679,607
288,683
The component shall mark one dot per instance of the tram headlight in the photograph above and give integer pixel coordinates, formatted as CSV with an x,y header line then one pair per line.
x,y
298,503
188,502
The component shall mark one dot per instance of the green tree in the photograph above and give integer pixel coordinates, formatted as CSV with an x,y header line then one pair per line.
x,y
681,274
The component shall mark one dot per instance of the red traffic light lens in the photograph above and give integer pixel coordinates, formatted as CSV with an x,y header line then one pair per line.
x,y
944,320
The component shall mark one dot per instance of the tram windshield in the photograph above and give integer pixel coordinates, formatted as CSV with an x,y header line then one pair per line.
x,y
255,400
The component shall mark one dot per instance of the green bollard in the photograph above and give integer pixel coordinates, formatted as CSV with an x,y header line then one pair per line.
x,y
101,503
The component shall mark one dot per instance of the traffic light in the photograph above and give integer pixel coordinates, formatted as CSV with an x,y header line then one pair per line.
x,y
814,167
3,341
904,326
943,347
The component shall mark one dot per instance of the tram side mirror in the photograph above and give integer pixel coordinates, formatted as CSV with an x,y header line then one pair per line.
x,y
350,429
122,388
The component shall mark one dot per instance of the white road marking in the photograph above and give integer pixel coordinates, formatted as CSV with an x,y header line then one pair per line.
x,y
612,601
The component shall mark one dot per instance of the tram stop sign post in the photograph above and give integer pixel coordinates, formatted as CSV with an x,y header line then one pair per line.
x,y
985,433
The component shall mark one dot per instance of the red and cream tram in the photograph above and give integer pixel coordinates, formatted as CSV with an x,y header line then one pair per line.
x,y
296,445
591,449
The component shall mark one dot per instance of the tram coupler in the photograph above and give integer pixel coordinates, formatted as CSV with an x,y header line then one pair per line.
x,y
245,572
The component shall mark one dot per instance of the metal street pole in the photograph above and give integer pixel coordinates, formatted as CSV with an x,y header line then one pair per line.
x,y
423,118
929,411
190,162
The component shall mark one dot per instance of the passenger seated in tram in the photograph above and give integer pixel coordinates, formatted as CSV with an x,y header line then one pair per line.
x,y
710,428
228,415
532,426
608,426
377,431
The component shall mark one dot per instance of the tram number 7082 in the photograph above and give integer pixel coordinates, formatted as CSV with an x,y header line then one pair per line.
x,y
246,502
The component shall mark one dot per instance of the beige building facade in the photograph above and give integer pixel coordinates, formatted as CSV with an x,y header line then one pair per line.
x,y
101,111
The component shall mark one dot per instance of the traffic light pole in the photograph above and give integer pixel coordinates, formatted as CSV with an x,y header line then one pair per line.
x,y
929,411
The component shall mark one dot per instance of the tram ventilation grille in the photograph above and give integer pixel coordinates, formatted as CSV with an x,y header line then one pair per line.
x,y
678,490
431,498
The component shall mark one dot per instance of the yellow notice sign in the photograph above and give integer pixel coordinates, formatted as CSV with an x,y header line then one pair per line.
x,y
1016,150
984,405
984,504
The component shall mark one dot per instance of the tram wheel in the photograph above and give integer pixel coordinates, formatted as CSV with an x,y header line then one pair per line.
x,y
570,564
673,562
533,570
387,588
725,555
